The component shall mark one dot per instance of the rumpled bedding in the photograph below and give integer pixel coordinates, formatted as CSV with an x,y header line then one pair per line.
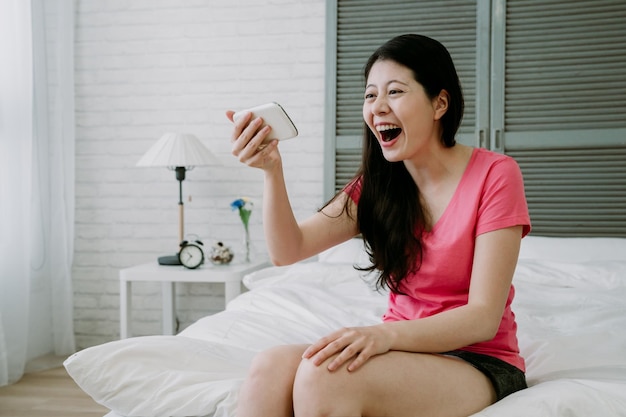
x,y
572,332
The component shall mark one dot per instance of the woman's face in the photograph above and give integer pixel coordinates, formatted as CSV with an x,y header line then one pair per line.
x,y
397,110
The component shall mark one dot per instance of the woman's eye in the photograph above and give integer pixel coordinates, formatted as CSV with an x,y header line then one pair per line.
x,y
392,92
369,96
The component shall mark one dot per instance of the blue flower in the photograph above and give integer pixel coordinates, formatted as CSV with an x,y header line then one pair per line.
x,y
244,206
237,204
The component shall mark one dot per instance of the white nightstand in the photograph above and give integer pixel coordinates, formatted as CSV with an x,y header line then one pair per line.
x,y
230,275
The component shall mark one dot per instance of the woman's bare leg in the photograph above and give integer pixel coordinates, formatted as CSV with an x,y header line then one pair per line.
x,y
394,384
267,390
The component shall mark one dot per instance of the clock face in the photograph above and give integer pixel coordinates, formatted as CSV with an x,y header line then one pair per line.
x,y
191,256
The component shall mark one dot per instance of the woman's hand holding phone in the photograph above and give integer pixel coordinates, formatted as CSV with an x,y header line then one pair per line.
x,y
257,132
249,141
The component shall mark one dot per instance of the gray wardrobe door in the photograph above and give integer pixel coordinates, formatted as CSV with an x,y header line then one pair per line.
x,y
558,106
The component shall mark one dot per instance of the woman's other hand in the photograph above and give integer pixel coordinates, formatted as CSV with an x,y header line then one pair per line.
x,y
356,344
249,143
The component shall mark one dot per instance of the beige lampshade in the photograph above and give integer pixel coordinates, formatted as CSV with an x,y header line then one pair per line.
x,y
178,150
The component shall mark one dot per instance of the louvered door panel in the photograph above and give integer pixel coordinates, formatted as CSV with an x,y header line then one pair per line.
x,y
564,111
348,161
565,65
575,192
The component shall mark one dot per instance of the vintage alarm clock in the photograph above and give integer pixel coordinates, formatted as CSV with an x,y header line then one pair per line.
x,y
191,254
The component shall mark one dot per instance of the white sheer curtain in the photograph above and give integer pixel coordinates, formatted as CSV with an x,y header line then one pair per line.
x,y
36,182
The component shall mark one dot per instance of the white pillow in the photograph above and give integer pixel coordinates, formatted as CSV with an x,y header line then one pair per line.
x,y
573,249
324,275
571,318
606,275
351,252
562,397
561,249
161,375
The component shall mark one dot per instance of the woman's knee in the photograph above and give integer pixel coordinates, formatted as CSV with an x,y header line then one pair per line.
x,y
318,391
308,376
280,362
267,389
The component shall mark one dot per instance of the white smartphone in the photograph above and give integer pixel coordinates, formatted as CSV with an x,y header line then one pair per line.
x,y
276,117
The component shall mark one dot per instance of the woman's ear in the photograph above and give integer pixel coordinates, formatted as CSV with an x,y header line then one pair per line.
x,y
441,104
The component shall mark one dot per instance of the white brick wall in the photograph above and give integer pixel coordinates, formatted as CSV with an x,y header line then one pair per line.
x,y
144,67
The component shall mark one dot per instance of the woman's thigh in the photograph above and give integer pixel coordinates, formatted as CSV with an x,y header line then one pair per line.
x,y
394,384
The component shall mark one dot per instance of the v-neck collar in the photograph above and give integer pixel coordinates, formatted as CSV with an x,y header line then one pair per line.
x,y
455,195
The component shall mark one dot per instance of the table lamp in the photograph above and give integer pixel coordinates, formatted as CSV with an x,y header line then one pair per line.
x,y
179,152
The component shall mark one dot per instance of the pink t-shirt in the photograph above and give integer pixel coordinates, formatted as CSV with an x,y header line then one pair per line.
x,y
490,196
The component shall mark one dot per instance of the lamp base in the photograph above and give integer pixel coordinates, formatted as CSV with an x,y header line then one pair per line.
x,y
169,260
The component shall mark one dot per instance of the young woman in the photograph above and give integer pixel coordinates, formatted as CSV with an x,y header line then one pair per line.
x,y
442,223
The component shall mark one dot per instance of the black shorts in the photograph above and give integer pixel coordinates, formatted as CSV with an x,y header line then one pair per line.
x,y
506,378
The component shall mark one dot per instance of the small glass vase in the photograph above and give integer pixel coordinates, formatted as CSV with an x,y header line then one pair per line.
x,y
246,244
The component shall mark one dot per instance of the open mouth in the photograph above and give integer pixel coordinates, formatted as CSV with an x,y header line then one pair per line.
x,y
388,132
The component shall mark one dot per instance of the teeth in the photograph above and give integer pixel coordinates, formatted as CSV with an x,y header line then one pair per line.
x,y
382,128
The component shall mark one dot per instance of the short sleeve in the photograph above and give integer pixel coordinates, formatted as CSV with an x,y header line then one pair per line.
x,y
353,189
503,201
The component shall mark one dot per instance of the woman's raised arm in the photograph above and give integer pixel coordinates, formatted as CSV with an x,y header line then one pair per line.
x,y
288,240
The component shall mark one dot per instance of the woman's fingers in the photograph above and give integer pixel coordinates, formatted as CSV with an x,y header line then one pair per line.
x,y
344,343
346,354
356,344
244,133
249,140
238,125
329,344
316,347
358,350
362,357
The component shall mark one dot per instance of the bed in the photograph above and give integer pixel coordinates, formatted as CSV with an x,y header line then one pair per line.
x,y
570,306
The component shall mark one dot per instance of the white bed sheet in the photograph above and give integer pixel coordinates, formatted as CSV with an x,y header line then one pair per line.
x,y
572,332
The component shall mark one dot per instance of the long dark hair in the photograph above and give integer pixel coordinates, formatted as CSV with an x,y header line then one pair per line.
x,y
390,216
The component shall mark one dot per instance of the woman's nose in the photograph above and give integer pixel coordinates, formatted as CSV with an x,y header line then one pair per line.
x,y
380,105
